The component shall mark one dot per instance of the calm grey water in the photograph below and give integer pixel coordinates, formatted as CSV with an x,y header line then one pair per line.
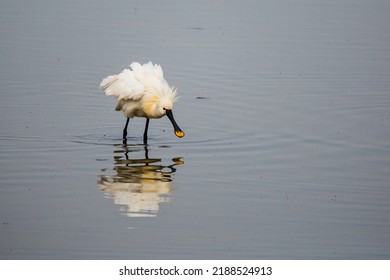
x,y
286,109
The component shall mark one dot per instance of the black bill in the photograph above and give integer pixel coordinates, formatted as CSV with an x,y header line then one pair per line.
x,y
178,132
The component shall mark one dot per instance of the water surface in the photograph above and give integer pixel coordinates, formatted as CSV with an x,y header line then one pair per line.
x,y
286,109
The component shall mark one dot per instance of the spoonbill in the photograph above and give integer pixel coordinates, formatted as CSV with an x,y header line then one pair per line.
x,y
142,91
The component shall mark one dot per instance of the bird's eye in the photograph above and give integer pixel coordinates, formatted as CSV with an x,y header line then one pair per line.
x,y
164,109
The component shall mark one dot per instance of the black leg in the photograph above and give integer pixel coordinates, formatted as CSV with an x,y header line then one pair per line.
x,y
146,132
125,129
146,153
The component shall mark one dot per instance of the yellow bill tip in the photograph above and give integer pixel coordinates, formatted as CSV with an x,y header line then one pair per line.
x,y
179,134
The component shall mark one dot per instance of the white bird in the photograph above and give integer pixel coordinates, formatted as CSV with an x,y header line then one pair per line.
x,y
142,91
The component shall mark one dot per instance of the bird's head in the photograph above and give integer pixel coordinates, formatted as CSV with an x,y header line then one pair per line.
x,y
156,107
159,105
165,105
158,100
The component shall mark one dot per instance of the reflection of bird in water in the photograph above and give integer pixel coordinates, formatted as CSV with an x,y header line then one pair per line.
x,y
140,185
142,92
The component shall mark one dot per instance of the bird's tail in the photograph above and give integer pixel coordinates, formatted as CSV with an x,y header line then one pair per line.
x,y
107,82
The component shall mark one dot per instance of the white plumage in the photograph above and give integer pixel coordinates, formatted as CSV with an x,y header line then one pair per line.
x,y
142,91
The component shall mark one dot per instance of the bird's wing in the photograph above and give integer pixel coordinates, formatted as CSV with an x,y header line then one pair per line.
x,y
147,72
150,76
123,86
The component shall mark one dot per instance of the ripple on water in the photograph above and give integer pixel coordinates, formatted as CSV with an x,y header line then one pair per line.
x,y
164,139
96,139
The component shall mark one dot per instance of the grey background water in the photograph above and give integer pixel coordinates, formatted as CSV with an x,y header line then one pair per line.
x,y
286,109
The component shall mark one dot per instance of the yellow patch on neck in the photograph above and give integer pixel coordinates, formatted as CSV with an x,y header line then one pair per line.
x,y
150,105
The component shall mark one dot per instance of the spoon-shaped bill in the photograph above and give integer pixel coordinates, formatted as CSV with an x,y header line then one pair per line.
x,y
178,132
